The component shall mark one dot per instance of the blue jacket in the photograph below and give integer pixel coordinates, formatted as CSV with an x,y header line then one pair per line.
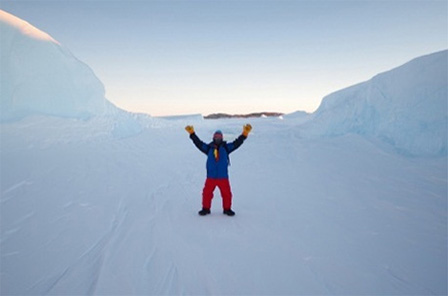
x,y
217,165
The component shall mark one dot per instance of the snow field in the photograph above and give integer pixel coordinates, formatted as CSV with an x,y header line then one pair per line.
x,y
118,216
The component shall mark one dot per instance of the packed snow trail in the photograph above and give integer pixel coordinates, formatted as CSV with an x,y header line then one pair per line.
x,y
98,215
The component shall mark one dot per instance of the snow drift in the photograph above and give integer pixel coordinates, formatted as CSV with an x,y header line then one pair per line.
x,y
406,107
40,76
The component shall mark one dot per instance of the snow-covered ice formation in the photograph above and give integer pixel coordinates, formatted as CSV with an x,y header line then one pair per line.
x,y
406,107
40,76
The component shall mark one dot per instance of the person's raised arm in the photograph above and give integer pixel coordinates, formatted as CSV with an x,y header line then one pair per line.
x,y
197,142
239,141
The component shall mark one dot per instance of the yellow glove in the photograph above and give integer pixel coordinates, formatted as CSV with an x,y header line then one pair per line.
x,y
189,129
246,129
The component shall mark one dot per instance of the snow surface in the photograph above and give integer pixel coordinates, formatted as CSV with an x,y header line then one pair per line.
x,y
38,75
104,202
299,117
85,213
406,107
41,77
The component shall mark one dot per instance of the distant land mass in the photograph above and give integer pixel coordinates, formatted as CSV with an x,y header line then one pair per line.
x,y
250,115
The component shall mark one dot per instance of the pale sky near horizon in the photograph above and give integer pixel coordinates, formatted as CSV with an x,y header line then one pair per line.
x,y
188,57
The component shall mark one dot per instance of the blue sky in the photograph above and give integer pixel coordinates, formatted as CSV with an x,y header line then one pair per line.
x,y
183,57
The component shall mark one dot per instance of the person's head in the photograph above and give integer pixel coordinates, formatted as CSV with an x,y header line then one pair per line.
x,y
217,137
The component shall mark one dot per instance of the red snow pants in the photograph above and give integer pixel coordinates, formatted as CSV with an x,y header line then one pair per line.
x,y
224,187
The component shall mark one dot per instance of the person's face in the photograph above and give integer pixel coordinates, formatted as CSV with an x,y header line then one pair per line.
x,y
217,138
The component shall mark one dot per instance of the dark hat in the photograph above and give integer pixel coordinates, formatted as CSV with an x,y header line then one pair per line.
x,y
217,135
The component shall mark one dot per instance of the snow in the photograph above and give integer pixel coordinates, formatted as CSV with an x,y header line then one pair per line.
x,y
406,107
104,202
39,76
299,117
99,215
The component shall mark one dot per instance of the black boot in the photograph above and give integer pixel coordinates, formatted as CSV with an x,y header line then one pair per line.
x,y
204,212
229,212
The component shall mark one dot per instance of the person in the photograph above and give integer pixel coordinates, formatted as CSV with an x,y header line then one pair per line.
x,y
218,161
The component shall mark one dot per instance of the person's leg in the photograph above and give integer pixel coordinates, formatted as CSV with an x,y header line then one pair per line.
x,y
207,193
226,193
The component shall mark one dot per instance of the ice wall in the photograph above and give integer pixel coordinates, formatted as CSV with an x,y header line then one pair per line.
x,y
406,107
39,76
